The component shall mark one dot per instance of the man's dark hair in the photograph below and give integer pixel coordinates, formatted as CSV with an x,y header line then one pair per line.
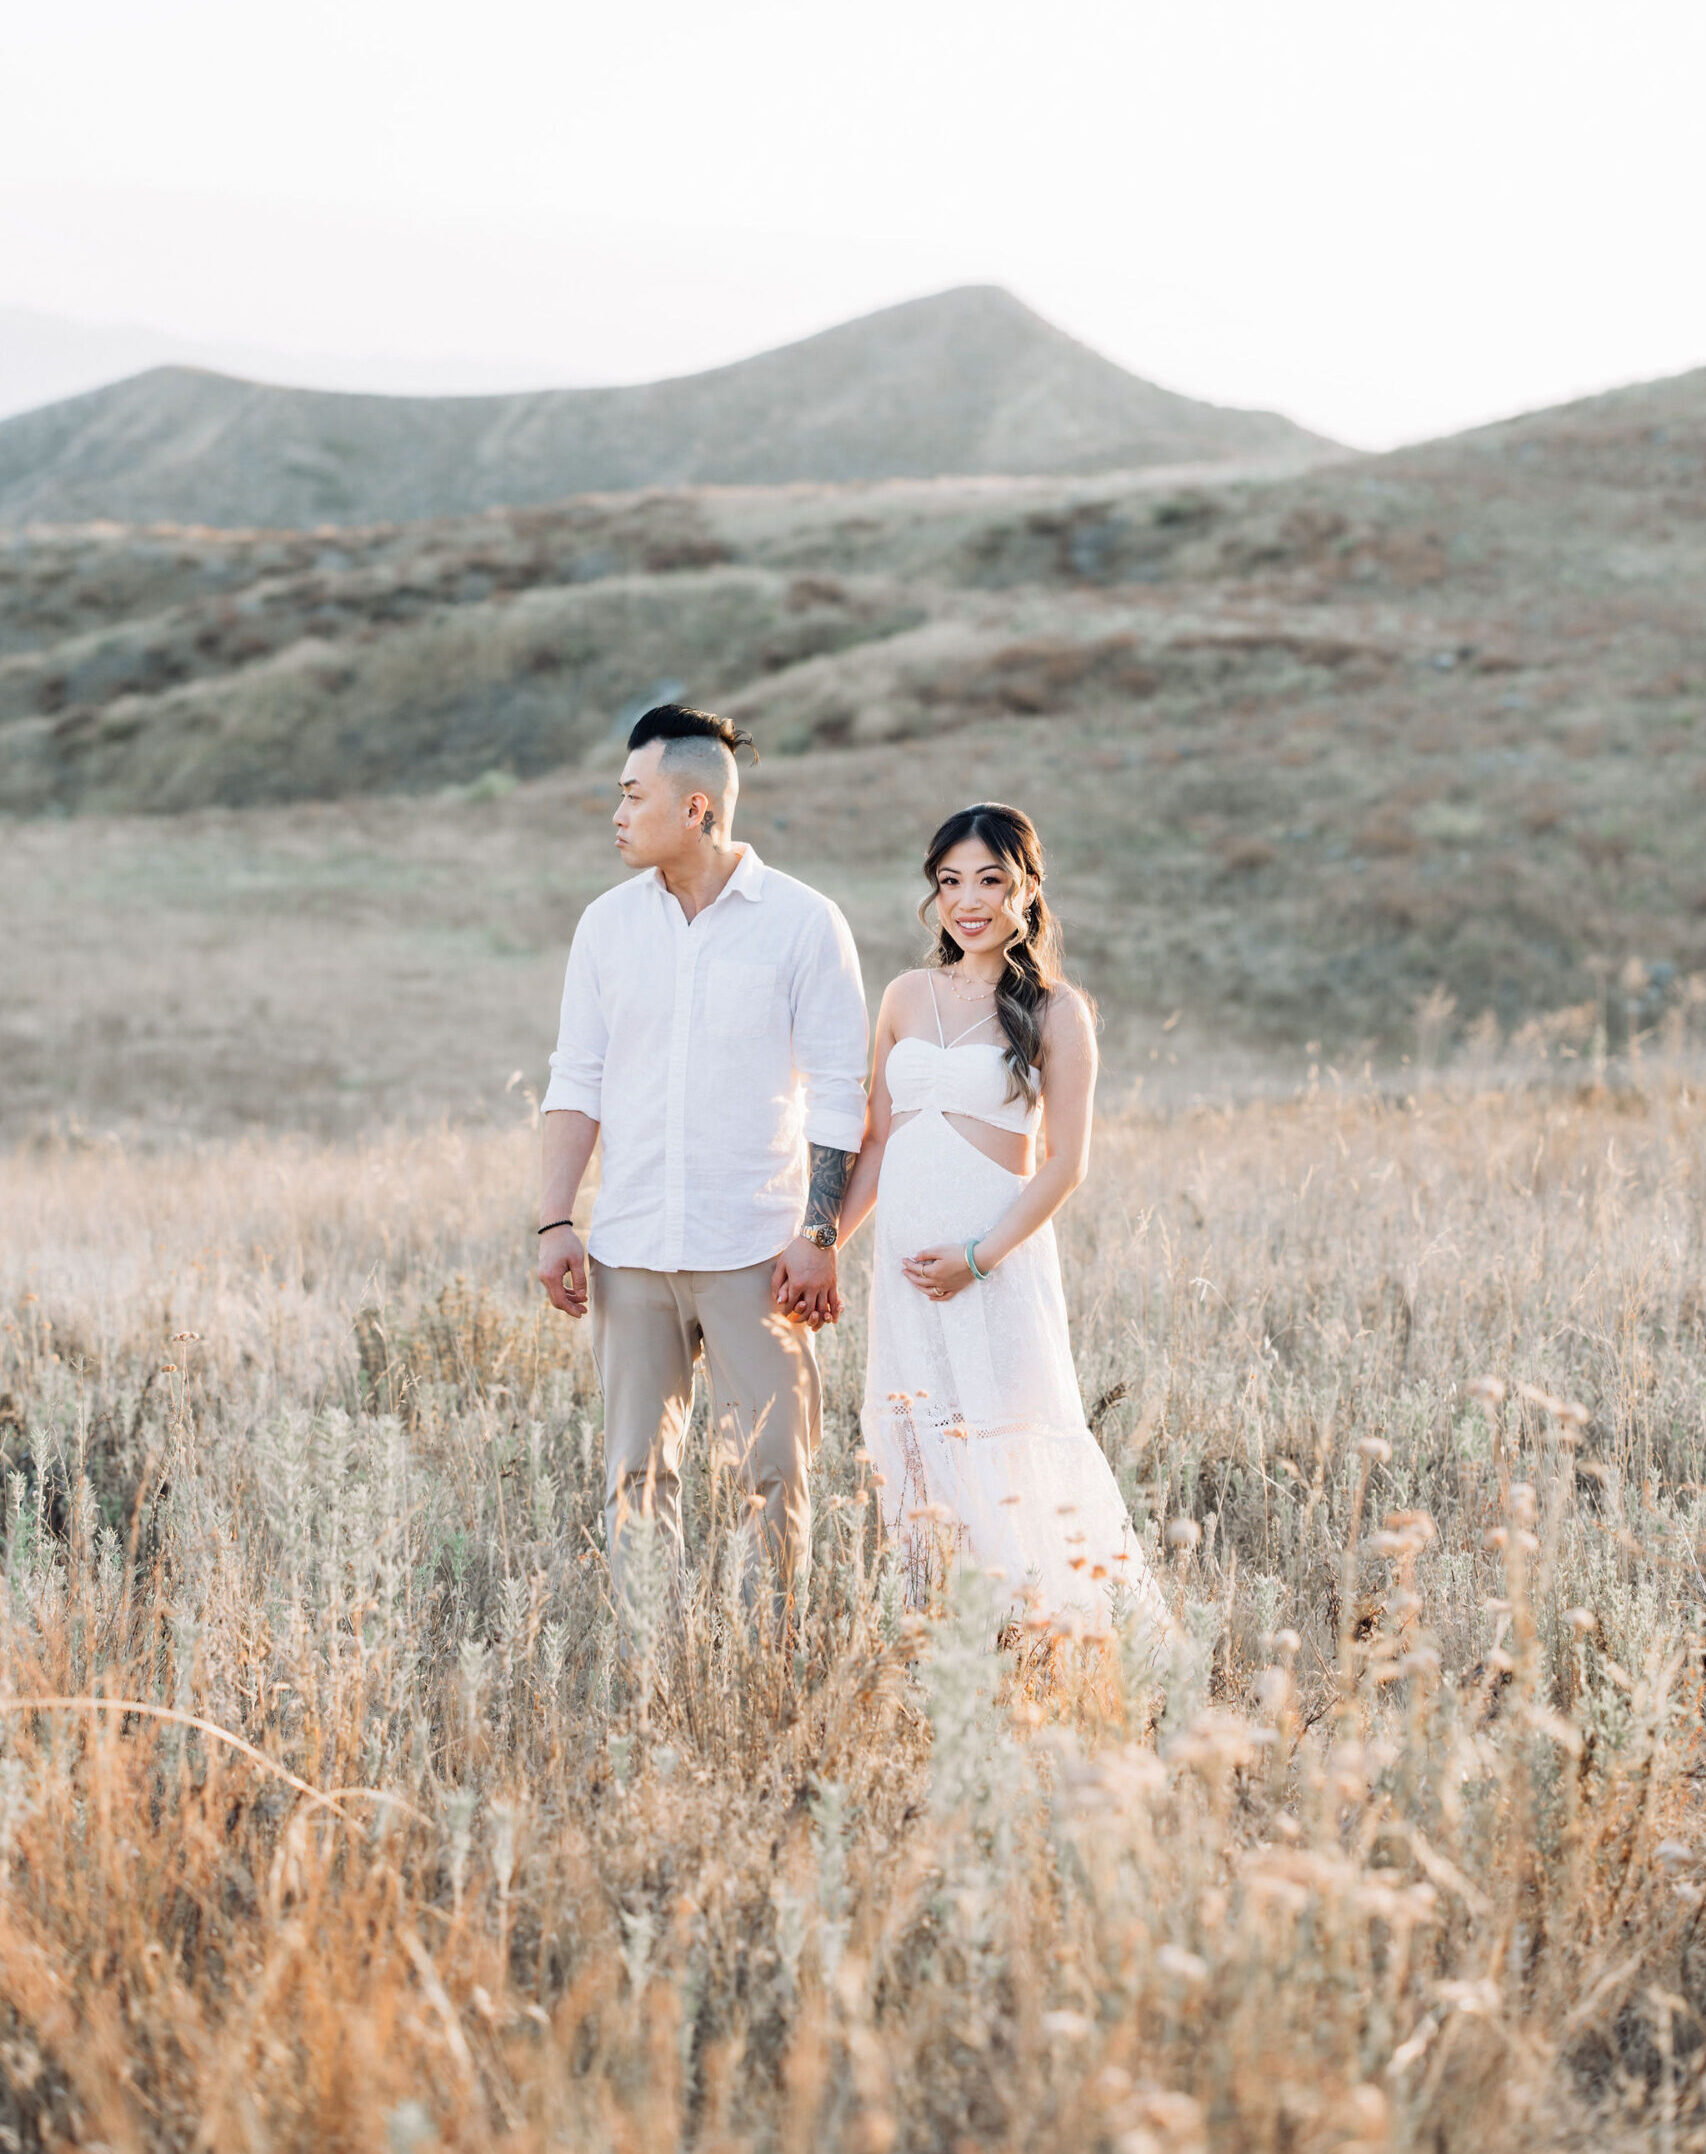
x,y
679,721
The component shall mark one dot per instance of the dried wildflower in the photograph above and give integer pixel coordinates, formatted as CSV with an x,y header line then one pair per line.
x,y
1570,1411
1067,2026
1182,1966
1273,1691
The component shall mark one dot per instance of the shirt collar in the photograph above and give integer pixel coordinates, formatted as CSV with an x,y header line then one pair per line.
x,y
747,881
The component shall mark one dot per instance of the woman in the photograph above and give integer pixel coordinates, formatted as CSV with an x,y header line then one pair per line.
x,y
972,1412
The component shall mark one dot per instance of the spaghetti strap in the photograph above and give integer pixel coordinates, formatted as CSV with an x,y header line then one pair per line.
x,y
942,1040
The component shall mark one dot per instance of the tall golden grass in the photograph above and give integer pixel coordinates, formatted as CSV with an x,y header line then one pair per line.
x,y
329,1819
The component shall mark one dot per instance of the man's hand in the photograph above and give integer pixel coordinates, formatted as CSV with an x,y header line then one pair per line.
x,y
562,1270
803,1284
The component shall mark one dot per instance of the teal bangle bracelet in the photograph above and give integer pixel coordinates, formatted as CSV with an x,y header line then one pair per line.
x,y
971,1259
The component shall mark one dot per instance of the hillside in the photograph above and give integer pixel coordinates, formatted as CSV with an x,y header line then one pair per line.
x,y
1305,751
969,381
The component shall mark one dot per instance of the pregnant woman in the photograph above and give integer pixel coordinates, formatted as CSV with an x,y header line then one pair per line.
x,y
972,1411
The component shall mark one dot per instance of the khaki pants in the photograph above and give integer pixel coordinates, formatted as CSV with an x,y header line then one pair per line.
x,y
648,1328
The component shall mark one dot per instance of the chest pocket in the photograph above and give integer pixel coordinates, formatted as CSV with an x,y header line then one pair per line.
x,y
739,1000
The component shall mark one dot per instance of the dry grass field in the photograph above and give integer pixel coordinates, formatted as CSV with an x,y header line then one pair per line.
x,y
327,1819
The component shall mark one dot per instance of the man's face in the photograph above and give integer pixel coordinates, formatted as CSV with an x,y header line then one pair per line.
x,y
652,815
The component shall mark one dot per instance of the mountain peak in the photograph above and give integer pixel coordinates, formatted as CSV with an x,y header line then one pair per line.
x,y
968,381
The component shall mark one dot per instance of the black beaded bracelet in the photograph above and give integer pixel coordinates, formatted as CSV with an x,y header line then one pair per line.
x,y
557,1223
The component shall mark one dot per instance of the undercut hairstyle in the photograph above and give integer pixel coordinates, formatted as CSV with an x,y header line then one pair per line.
x,y
679,721
698,750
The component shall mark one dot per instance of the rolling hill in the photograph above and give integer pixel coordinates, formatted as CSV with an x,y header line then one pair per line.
x,y
969,381
1306,750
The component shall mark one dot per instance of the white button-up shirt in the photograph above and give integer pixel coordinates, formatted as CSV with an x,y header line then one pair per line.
x,y
710,1052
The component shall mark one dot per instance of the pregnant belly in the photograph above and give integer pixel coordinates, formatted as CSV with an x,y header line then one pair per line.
x,y
935,1187
1008,1148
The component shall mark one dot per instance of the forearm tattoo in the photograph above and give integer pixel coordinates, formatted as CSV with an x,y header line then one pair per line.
x,y
829,1173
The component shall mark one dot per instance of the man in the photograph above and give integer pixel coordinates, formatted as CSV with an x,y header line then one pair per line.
x,y
713,1036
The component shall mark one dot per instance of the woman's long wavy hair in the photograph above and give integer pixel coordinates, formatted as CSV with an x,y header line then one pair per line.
x,y
1033,958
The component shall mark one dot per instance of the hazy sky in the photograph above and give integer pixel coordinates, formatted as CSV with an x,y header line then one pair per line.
x,y
1384,217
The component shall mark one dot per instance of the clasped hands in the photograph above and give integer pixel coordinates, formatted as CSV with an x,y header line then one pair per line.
x,y
803,1284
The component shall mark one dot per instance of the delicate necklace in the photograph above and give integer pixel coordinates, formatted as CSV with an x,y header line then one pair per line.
x,y
959,993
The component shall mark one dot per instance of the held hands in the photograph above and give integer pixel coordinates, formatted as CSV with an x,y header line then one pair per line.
x,y
941,1273
562,1270
803,1284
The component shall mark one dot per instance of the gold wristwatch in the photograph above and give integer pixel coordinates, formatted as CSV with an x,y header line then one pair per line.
x,y
824,1237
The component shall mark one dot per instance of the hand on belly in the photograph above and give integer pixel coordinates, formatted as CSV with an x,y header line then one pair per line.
x,y
941,1272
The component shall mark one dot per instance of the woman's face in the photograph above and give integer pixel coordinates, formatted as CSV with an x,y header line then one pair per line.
x,y
976,900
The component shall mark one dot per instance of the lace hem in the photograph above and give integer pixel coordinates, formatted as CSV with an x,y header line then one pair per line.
x,y
912,1431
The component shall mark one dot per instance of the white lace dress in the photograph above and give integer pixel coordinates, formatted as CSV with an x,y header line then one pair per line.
x,y
972,1411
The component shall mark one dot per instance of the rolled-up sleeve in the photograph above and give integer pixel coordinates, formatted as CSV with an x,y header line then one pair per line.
x,y
577,1065
829,1034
